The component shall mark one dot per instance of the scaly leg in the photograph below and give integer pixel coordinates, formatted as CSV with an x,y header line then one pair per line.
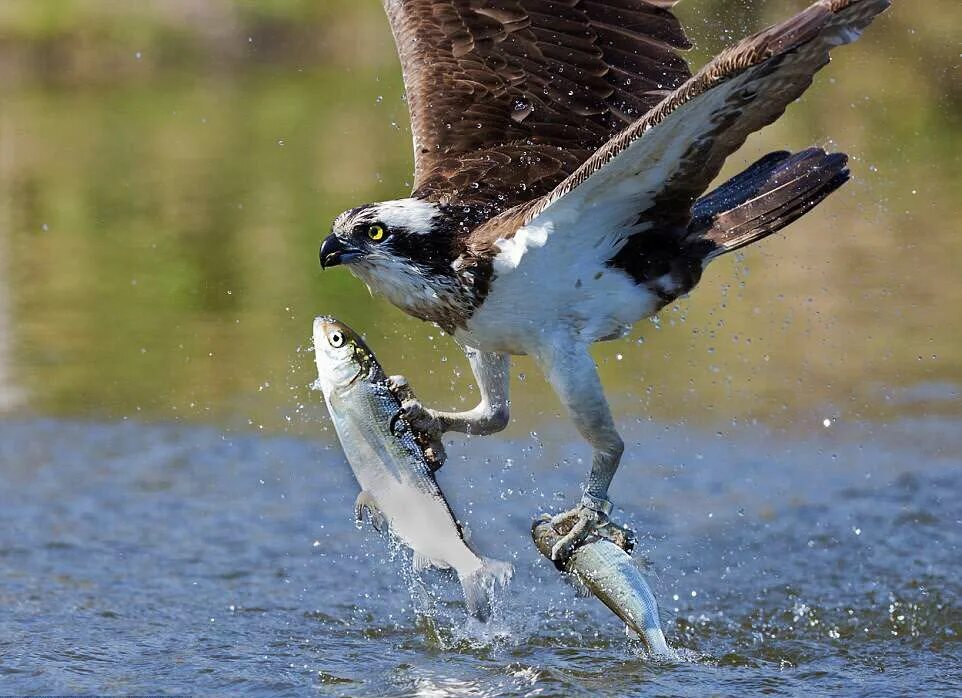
x,y
574,377
492,373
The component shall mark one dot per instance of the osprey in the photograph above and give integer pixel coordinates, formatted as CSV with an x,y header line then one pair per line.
x,y
562,151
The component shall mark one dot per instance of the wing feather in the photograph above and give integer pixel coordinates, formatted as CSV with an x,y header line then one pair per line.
x,y
745,88
494,84
650,175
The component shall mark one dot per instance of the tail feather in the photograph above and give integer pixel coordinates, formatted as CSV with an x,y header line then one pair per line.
x,y
480,586
769,195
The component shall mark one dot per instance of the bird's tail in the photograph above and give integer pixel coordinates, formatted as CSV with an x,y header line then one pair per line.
x,y
480,586
775,191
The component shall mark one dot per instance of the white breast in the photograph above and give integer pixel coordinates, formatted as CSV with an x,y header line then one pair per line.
x,y
549,284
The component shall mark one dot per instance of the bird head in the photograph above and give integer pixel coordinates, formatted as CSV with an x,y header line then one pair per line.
x,y
404,249
384,235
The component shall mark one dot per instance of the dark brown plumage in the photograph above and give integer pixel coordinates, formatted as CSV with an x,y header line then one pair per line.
x,y
772,193
778,65
773,67
509,97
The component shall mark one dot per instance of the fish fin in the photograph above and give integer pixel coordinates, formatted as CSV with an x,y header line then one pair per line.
x,y
574,580
479,586
631,634
423,562
366,504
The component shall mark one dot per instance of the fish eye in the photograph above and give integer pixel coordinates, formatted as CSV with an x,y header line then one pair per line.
x,y
336,339
376,232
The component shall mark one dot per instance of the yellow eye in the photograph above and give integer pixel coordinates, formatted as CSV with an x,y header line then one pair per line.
x,y
375,232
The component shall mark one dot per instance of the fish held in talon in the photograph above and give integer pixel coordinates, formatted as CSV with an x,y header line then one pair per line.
x,y
606,570
395,464
544,220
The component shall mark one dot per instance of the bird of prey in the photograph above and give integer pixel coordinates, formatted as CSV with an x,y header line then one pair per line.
x,y
562,154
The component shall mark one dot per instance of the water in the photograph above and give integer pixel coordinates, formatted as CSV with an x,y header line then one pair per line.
x,y
175,515
138,558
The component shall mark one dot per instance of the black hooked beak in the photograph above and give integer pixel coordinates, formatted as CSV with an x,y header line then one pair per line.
x,y
334,252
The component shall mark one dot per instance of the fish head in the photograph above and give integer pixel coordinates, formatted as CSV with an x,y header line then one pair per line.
x,y
340,354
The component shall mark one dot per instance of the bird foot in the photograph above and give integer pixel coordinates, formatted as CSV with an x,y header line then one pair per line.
x,y
576,525
428,428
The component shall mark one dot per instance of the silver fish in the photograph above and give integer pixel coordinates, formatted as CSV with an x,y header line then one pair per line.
x,y
607,571
394,465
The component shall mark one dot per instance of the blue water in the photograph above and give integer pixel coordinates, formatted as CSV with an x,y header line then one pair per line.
x,y
160,215
143,558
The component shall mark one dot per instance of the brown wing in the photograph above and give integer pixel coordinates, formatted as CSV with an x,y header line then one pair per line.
x,y
645,180
509,97
679,147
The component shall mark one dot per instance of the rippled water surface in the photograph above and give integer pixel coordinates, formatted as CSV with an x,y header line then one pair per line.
x,y
175,514
139,558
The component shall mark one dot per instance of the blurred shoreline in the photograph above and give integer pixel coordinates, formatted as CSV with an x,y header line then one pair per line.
x,y
10,395
110,41
162,214
106,42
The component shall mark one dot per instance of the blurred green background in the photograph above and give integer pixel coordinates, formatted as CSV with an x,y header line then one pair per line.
x,y
169,167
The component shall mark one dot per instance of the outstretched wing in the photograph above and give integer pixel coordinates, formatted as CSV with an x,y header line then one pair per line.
x,y
649,175
509,97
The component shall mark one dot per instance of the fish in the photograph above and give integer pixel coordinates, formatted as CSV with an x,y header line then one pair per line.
x,y
395,465
606,570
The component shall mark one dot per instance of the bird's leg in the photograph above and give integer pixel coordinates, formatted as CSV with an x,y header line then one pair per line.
x,y
429,440
572,372
492,373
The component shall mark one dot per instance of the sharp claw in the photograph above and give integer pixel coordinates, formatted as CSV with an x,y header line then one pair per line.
x,y
435,455
401,388
398,382
576,525
559,520
570,541
621,536
416,414
429,431
585,522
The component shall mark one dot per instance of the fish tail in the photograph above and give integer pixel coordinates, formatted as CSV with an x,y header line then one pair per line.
x,y
480,586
